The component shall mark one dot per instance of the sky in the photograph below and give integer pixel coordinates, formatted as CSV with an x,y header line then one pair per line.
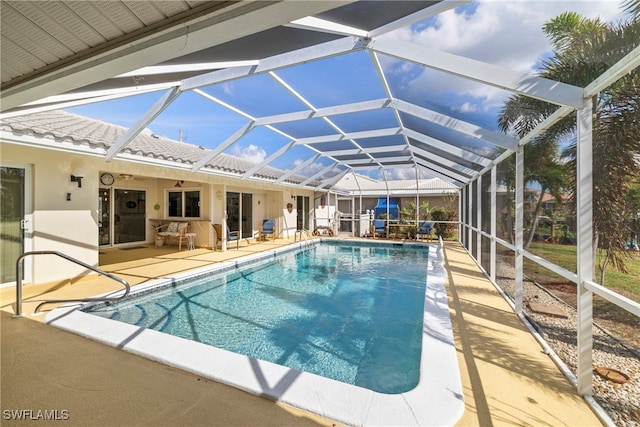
x,y
501,32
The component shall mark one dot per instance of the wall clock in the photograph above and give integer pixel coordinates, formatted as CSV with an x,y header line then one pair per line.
x,y
106,179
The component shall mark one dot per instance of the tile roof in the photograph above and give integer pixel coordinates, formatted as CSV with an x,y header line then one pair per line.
x,y
63,126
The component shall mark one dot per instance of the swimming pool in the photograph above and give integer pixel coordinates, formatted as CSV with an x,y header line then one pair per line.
x,y
341,311
433,395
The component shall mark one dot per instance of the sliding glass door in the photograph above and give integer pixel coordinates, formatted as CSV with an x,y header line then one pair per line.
x,y
15,219
240,213
122,216
302,207
104,215
129,216
247,215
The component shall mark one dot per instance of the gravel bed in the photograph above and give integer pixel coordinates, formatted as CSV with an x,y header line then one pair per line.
x,y
620,401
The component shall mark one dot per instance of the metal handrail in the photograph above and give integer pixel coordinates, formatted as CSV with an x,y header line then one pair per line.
x,y
68,258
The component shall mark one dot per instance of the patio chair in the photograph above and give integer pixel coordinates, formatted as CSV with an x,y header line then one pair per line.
x,y
233,236
426,228
379,228
173,231
268,228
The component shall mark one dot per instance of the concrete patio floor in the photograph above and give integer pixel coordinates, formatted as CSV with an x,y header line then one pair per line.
x,y
506,377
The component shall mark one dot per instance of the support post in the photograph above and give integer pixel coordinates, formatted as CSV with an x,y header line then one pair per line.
x,y
460,214
519,258
494,213
479,220
584,190
469,218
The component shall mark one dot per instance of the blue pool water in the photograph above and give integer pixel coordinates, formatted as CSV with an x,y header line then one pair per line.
x,y
350,313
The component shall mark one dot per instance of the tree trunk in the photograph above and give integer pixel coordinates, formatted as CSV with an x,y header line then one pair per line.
x,y
534,219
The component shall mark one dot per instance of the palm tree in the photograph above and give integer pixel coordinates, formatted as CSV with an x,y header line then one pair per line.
x,y
583,50
633,8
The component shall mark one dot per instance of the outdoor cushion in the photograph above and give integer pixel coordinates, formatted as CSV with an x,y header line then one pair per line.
x,y
172,228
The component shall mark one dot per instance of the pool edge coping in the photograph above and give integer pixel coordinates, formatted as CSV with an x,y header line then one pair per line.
x,y
345,403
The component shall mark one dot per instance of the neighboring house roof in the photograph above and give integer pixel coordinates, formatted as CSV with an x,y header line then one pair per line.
x,y
363,185
546,197
59,127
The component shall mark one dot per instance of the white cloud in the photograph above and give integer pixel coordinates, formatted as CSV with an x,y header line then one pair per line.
x,y
309,170
227,88
468,108
399,173
252,153
504,33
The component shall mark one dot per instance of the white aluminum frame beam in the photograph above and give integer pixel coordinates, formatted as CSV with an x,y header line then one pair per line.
x,y
451,149
303,100
544,125
430,157
420,15
202,30
183,68
308,54
270,158
298,168
317,174
354,162
443,171
335,110
316,24
347,136
224,145
630,62
369,150
143,122
387,89
73,100
491,137
470,69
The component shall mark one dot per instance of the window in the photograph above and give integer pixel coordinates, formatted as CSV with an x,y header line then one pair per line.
x,y
184,203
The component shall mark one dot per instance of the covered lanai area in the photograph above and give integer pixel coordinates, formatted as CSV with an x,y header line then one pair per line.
x,y
243,65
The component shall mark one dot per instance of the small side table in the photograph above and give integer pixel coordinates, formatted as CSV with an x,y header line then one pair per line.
x,y
191,241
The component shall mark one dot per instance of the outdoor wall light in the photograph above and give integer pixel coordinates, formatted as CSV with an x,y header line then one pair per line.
x,y
77,179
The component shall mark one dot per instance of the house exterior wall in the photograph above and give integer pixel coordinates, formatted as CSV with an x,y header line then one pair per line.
x,y
59,225
72,226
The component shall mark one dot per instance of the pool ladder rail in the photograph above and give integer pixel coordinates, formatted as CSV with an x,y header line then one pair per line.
x,y
304,235
52,301
306,242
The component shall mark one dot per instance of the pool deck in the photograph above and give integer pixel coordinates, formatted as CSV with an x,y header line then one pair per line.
x,y
506,377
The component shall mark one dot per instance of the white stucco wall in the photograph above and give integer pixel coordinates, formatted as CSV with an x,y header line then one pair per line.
x,y
68,226
71,226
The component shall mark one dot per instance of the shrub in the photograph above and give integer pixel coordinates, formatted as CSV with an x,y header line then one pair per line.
x,y
443,230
